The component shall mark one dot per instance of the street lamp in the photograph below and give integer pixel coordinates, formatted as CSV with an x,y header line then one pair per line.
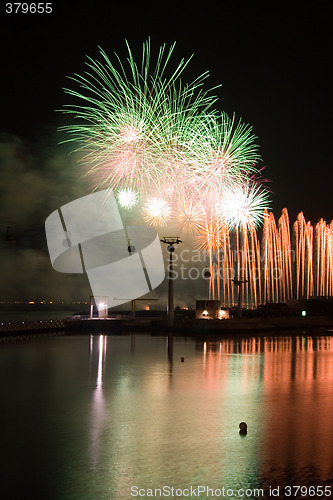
x,y
171,241
239,283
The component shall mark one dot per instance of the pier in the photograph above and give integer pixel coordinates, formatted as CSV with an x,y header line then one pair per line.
x,y
86,325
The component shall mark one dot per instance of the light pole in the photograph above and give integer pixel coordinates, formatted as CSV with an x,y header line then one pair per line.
x,y
171,241
239,283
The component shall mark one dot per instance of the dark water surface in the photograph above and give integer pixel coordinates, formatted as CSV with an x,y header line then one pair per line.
x,y
90,417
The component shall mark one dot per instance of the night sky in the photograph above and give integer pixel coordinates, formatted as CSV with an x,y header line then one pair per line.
x,y
274,64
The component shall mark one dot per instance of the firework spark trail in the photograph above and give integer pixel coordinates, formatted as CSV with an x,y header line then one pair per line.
x,y
127,198
224,152
286,256
210,236
157,211
189,216
136,126
242,205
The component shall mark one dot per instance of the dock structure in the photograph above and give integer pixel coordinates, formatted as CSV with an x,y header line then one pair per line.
x,y
85,325
75,324
17,327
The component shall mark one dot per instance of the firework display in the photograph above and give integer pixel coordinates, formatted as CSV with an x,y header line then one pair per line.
x,y
243,204
150,137
290,263
157,211
168,155
136,126
127,198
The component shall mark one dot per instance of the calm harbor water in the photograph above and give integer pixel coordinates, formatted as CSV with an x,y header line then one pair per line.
x,y
90,417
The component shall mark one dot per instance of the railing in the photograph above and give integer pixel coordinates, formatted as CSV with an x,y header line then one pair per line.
x,y
48,325
77,323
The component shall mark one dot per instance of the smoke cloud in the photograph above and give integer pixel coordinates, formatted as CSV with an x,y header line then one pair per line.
x,y
36,179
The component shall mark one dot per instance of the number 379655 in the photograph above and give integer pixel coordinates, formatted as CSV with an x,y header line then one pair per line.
x,y
28,8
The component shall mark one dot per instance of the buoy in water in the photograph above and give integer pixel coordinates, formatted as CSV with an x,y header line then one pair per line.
x,y
242,428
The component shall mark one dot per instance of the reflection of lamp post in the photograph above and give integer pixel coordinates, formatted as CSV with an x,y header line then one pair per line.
x,y
171,241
